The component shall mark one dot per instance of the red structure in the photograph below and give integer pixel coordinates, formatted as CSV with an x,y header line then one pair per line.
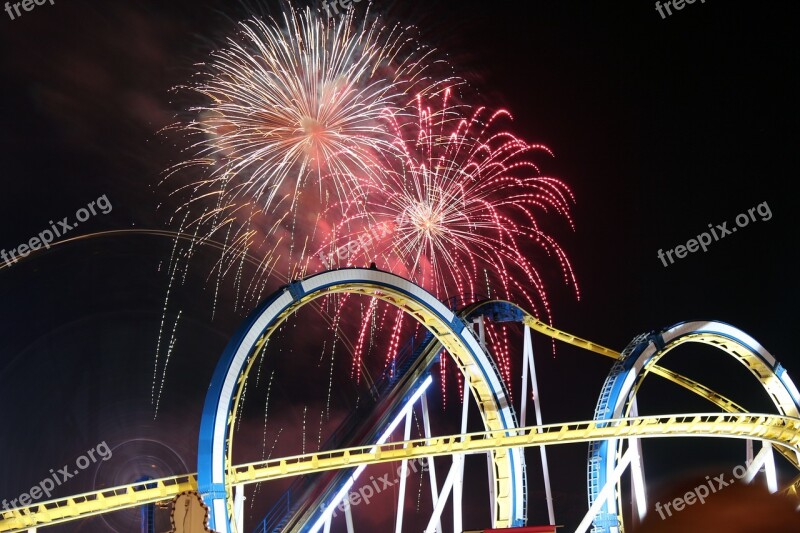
x,y
529,529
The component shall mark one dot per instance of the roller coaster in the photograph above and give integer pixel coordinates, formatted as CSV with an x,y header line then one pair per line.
x,y
324,478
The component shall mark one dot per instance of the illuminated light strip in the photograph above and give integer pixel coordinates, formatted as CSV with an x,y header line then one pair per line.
x,y
400,416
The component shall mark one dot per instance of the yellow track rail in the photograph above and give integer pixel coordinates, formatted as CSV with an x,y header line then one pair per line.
x,y
780,430
546,329
94,503
128,496
717,399
736,424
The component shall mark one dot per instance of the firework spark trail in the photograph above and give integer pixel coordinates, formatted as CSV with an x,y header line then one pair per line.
x,y
465,200
171,277
466,205
364,331
170,348
281,102
266,416
292,112
306,140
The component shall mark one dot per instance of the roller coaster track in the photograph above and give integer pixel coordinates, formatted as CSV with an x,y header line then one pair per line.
x,y
629,372
215,447
501,437
780,430
514,313
504,311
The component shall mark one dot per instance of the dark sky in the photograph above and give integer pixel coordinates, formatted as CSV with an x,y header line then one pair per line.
x,y
660,126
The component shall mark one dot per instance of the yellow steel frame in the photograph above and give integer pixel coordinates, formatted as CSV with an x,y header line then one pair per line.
x,y
781,430
95,503
687,383
762,372
460,353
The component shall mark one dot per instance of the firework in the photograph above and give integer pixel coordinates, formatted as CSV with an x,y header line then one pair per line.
x,y
460,211
299,104
311,156
464,205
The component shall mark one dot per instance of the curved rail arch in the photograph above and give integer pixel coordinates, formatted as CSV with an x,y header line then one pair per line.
x,y
216,430
639,358
781,430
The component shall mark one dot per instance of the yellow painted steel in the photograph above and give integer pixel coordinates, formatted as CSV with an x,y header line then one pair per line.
x,y
755,365
762,372
460,353
687,383
743,354
780,430
546,329
94,503
717,399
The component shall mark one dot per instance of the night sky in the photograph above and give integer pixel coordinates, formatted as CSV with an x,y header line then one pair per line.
x,y
660,126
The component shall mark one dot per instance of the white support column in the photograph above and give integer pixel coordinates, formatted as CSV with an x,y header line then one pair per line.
x,y
528,365
348,516
401,498
436,517
238,507
638,485
426,424
459,460
523,401
481,331
605,492
766,459
327,527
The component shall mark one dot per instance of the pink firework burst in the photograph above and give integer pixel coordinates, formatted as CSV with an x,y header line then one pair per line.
x,y
461,211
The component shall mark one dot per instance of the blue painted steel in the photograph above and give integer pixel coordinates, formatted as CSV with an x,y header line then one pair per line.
x,y
602,456
148,512
208,490
599,450
498,311
216,396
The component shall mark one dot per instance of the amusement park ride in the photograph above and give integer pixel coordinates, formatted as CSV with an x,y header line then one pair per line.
x,y
614,433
